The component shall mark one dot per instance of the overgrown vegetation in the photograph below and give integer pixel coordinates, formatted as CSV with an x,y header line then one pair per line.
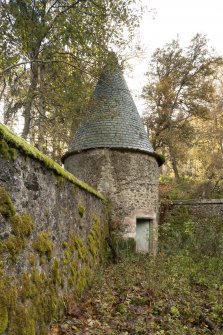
x,y
179,292
187,188
192,235
171,295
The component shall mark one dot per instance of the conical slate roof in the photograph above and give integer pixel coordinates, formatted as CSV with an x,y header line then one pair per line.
x,y
112,119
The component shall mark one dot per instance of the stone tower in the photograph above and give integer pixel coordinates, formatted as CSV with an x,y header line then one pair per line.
x,y
112,153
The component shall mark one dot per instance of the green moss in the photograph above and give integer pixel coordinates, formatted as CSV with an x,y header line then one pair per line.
x,y
84,280
37,301
36,276
43,245
22,225
68,254
81,210
88,255
43,259
81,286
36,294
43,297
32,259
3,318
22,322
80,247
8,296
56,273
8,292
73,273
95,237
61,180
27,289
64,244
6,206
19,143
6,151
14,245
92,244
75,244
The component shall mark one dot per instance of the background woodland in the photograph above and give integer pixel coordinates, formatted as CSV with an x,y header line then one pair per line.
x,y
52,53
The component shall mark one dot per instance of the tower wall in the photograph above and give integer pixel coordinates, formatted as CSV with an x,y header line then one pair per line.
x,y
129,179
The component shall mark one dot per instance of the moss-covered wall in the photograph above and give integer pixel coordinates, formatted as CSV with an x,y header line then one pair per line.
x,y
52,237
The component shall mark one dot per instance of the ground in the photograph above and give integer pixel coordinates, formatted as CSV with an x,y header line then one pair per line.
x,y
166,295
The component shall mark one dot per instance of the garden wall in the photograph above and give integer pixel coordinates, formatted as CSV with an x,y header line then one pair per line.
x,y
197,208
52,237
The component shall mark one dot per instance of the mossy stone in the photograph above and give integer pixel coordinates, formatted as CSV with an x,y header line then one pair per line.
x,y
95,237
32,259
80,247
22,225
43,245
56,273
18,143
73,273
27,288
6,206
3,318
14,244
81,210
6,151
22,321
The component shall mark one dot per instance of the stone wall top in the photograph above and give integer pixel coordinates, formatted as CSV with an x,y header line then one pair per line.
x,y
29,150
198,202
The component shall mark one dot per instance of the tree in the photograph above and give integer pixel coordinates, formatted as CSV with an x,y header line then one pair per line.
x,y
180,88
51,52
209,139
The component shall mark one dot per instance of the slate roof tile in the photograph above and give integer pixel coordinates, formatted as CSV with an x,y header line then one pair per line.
x,y
112,119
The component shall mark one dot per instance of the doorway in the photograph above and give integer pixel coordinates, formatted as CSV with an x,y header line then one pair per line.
x,y
143,234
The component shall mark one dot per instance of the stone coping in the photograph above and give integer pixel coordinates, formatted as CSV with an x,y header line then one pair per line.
x,y
29,150
197,202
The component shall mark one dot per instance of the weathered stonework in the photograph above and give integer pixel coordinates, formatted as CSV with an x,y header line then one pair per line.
x,y
195,208
112,153
129,179
52,239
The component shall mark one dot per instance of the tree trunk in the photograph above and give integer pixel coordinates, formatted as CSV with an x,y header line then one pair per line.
x,y
27,113
174,164
42,111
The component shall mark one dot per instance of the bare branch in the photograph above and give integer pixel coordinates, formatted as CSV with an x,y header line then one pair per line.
x,y
51,7
38,61
3,88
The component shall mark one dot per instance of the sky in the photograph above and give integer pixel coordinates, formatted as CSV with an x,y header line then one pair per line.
x,y
168,20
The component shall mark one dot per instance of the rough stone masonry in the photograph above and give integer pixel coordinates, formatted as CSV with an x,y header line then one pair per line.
x,y
53,229
112,153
